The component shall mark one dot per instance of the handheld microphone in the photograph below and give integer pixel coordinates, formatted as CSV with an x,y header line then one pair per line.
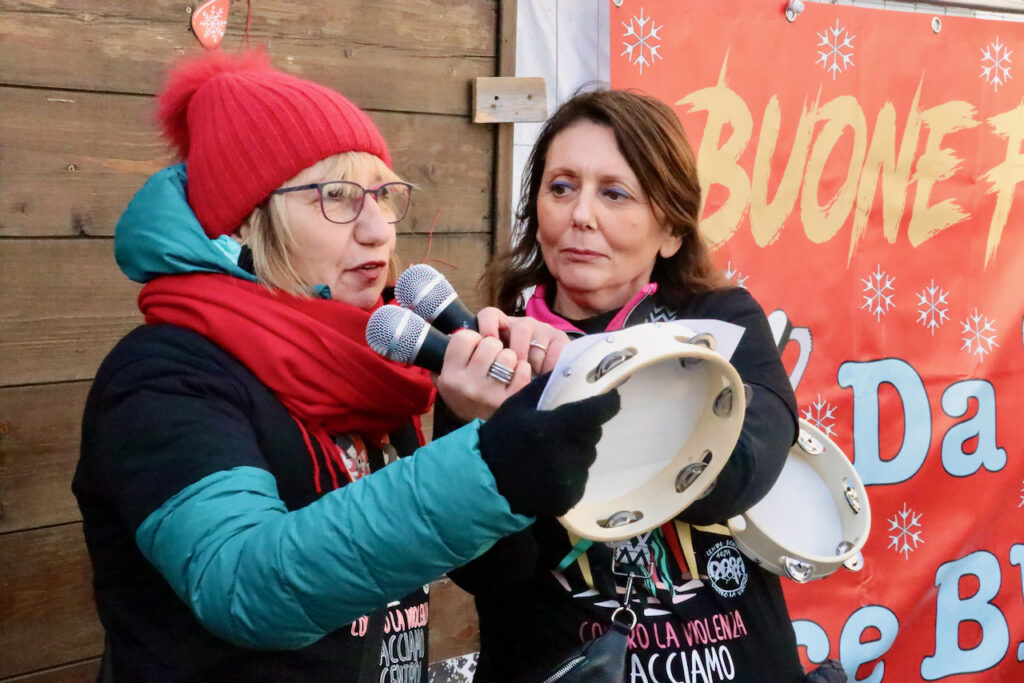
x,y
427,292
399,334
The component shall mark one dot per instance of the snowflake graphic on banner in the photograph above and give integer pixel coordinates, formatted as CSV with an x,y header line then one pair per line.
x,y
821,414
978,334
733,274
214,24
995,64
932,306
878,292
906,539
1021,504
642,40
837,56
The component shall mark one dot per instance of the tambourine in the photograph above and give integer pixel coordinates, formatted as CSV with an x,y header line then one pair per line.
x,y
815,518
682,410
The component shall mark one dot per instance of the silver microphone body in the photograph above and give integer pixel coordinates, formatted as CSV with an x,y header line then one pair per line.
x,y
427,293
401,335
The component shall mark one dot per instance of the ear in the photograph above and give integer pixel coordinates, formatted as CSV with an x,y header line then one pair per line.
x,y
670,245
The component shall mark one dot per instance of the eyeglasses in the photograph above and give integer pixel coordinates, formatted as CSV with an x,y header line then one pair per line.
x,y
342,201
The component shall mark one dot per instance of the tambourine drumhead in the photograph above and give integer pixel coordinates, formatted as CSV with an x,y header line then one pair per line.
x,y
682,410
814,519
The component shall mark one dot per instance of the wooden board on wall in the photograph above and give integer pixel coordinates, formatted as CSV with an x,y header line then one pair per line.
x,y
71,161
39,437
64,306
404,56
47,614
79,672
74,175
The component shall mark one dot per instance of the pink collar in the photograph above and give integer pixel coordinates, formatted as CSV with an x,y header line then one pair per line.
x,y
537,308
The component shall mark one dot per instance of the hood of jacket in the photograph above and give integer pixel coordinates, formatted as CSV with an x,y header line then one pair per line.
x,y
158,234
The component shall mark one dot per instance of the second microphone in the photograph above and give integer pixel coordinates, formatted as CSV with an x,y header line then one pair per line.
x,y
430,296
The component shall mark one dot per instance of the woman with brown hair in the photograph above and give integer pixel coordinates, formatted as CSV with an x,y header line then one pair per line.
x,y
609,237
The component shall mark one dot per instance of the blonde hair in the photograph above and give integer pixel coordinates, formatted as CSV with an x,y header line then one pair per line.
x,y
267,233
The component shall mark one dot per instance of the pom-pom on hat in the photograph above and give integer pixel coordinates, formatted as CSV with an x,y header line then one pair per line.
x,y
244,128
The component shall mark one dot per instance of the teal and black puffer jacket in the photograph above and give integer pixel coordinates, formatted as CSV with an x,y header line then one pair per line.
x,y
214,555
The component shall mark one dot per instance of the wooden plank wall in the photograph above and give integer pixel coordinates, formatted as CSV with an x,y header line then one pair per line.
x,y
76,140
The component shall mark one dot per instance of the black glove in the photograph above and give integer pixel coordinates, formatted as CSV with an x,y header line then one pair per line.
x,y
540,458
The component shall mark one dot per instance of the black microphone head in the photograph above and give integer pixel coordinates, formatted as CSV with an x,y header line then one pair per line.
x,y
424,290
396,333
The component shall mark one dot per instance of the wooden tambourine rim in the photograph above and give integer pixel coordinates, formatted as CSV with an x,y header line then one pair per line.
x,y
658,497
766,550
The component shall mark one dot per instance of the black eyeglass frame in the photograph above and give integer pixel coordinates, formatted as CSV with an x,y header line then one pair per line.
x,y
320,196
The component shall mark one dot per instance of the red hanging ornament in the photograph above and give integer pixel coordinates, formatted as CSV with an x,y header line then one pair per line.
x,y
210,21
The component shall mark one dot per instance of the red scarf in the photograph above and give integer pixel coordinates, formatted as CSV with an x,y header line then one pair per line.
x,y
311,353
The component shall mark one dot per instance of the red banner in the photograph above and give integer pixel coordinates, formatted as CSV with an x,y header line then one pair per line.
x,y
861,171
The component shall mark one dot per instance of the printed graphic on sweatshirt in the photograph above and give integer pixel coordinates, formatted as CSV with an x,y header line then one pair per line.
x,y
353,455
704,649
403,649
396,641
726,569
686,629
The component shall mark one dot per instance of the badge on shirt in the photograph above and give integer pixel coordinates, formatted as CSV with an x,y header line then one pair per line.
x,y
726,569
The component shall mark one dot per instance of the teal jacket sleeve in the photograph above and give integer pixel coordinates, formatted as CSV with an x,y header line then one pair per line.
x,y
260,576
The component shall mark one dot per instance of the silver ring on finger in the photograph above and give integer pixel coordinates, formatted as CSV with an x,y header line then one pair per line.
x,y
500,372
534,344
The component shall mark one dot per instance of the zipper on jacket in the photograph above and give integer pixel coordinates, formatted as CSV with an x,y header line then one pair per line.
x,y
566,668
644,295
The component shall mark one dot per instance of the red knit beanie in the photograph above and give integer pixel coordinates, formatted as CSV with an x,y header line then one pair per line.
x,y
244,128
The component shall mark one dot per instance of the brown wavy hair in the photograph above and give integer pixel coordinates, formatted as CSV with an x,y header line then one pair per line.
x,y
653,142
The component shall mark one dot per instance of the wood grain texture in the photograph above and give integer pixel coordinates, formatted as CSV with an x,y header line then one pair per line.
x,y
407,56
47,615
504,147
40,430
65,305
498,99
74,175
79,672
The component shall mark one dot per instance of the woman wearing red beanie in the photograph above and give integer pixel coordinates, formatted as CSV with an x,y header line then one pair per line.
x,y
240,518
